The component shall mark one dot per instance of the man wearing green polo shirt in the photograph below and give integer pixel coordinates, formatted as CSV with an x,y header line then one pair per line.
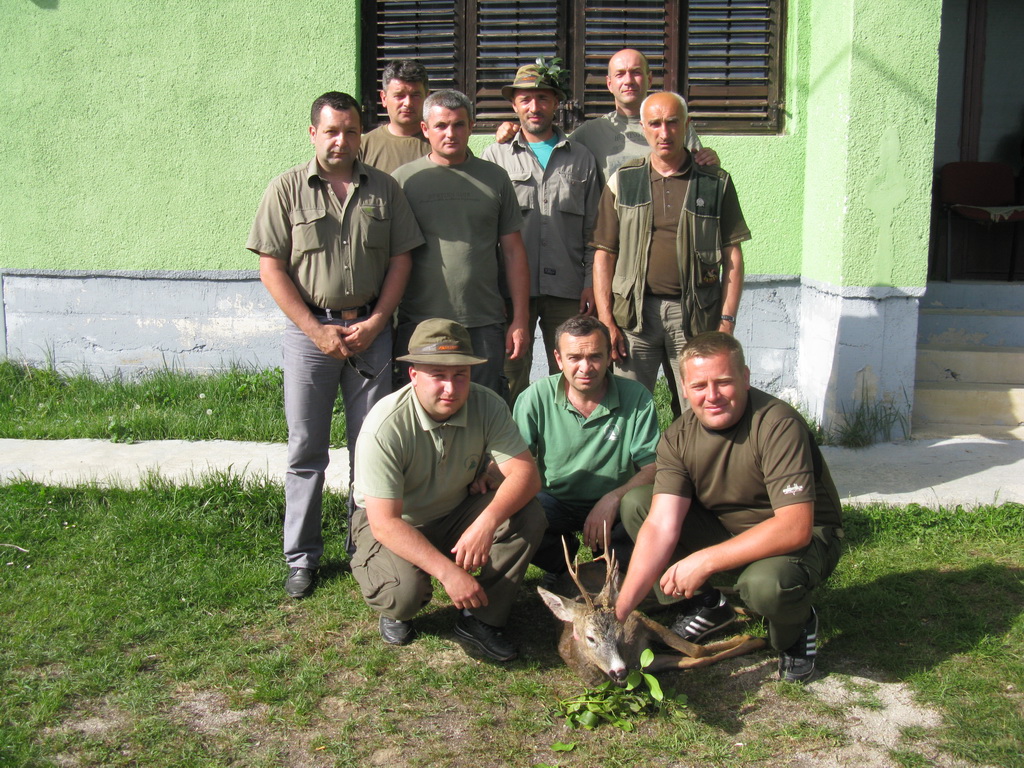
x,y
421,451
594,436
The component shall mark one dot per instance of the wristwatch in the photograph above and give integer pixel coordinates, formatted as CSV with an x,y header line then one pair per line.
x,y
730,318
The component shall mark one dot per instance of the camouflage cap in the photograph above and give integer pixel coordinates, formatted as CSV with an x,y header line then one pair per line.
x,y
533,76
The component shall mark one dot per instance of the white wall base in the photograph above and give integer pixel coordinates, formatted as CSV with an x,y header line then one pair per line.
x,y
818,346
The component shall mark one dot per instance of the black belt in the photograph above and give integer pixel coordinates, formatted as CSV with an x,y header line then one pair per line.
x,y
345,313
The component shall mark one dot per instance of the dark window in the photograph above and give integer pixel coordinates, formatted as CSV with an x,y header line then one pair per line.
x,y
724,56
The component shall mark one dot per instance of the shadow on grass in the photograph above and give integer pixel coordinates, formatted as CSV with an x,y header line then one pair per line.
x,y
903,623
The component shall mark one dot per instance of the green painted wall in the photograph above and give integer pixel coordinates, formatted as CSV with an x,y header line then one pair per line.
x,y
871,86
141,135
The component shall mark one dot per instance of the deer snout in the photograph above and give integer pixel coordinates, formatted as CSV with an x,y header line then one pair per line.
x,y
618,674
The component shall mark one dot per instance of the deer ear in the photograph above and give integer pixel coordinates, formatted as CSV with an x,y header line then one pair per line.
x,y
563,608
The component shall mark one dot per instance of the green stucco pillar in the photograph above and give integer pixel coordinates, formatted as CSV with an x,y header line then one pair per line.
x,y
870,116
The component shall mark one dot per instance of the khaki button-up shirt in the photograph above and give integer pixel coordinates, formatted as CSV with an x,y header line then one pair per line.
x,y
559,206
338,251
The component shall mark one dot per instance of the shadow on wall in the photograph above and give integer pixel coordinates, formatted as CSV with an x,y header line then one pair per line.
x,y
49,5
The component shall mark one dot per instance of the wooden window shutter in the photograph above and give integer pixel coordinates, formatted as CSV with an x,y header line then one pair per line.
x,y
724,56
424,30
733,65
509,34
610,26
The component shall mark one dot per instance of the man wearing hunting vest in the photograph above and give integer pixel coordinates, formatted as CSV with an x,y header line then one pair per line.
x,y
667,261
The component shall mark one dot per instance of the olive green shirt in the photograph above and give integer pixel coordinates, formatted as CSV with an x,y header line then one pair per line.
x,y
337,252
463,211
767,460
387,152
402,453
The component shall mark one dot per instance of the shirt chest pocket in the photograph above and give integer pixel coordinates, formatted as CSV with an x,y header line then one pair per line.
x,y
375,221
526,192
308,230
572,194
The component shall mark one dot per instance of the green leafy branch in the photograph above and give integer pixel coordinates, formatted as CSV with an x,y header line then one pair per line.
x,y
554,72
620,706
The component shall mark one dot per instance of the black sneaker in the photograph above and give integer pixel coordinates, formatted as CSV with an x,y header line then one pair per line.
x,y
485,638
796,663
396,631
702,620
299,582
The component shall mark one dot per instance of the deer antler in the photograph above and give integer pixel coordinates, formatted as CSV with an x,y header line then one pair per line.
x,y
573,571
611,569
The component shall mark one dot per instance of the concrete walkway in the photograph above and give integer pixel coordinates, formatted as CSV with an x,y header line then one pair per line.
x,y
965,470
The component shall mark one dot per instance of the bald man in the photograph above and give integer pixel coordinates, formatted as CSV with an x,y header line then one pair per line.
x,y
617,136
672,278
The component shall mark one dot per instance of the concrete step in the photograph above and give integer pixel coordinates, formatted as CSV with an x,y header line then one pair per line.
x,y
987,295
971,327
970,364
978,405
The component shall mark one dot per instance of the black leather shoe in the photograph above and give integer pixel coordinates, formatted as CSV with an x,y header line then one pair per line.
x,y
395,632
485,638
299,582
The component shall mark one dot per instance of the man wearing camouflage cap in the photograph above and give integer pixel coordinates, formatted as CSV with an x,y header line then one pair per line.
x,y
418,514
558,186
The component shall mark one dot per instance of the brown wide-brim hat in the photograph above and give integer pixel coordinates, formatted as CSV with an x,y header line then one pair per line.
x,y
530,77
441,342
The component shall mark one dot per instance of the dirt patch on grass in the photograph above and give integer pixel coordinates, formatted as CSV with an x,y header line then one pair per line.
x,y
210,711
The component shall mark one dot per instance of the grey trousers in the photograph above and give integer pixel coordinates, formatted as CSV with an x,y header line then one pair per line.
x,y
398,589
551,311
779,588
311,383
660,342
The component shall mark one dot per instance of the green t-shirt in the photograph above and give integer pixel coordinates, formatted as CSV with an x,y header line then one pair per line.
x,y
743,474
462,210
387,152
580,460
402,453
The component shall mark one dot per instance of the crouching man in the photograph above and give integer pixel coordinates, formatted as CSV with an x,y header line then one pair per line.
x,y
740,486
419,453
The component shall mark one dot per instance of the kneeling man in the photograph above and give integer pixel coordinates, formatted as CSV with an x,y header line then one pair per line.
x,y
418,454
740,486
594,436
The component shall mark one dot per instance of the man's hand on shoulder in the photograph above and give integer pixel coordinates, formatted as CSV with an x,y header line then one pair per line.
x,y
506,132
706,156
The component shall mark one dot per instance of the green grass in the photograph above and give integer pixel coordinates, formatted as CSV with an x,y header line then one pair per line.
x,y
238,404
148,627
243,404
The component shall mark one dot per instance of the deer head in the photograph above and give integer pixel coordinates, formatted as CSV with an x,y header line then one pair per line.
x,y
599,642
